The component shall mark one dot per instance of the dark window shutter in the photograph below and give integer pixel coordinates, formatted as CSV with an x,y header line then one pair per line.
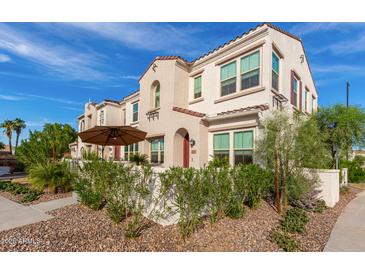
x,y
292,87
300,94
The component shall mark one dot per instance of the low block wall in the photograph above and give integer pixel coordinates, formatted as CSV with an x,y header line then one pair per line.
x,y
329,186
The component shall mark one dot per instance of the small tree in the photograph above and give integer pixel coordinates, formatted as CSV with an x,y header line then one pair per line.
x,y
343,127
19,125
290,144
2,145
8,127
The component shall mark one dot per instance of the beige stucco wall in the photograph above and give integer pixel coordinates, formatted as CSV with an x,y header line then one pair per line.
x,y
329,186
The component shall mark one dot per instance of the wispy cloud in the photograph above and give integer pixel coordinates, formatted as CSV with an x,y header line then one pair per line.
x,y
338,69
130,77
11,97
48,98
349,46
183,40
302,29
61,60
4,58
72,108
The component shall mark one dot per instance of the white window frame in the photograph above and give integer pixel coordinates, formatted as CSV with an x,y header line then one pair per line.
x,y
133,112
259,68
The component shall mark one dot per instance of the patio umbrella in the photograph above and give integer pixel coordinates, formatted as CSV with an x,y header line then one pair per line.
x,y
112,135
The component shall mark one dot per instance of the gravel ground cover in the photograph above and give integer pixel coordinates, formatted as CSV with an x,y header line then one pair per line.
x,y
46,196
77,228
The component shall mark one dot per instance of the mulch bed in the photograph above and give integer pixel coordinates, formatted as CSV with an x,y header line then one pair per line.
x,y
77,228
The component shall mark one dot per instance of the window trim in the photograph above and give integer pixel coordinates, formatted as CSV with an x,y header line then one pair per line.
x,y
258,68
135,112
158,150
201,87
220,76
159,96
273,71
231,133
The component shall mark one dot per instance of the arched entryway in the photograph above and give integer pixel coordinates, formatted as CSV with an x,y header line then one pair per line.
x,y
182,148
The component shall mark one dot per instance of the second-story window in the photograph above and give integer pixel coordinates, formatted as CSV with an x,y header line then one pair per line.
x,y
197,87
295,91
101,118
157,96
228,78
135,112
306,100
275,72
250,70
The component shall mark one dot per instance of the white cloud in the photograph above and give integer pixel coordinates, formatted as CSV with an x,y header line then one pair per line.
x,y
339,69
4,58
11,97
183,40
61,60
47,98
302,29
131,77
349,46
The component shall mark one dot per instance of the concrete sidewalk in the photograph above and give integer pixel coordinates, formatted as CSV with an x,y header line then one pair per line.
x,y
348,233
14,215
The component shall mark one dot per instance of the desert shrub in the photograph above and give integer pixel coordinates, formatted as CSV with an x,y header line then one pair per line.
x,y
55,176
283,240
134,227
356,172
90,155
186,189
88,195
303,190
4,185
217,162
257,182
138,159
320,206
295,220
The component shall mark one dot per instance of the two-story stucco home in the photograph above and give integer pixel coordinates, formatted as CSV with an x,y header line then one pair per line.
x,y
193,111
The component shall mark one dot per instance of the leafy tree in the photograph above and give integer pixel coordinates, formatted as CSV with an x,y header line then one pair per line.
x,y
290,145
8,127
343,127
19,125
2,145
49,144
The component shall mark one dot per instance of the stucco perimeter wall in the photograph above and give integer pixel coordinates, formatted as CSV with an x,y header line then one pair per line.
x,y
330,186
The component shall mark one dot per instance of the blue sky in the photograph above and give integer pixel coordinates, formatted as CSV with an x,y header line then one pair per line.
x,y
49,70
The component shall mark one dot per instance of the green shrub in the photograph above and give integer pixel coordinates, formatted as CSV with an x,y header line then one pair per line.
x,y
138,158
30,197
56,176
236,210
88,195
217,162
320,206
295,220
344,190
135,227
19,189
356,172
284,241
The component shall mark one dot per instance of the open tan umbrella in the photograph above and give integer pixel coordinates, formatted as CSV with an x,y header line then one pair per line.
x,y
112,135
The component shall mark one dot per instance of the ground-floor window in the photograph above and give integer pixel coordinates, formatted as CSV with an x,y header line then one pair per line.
x,y
243,147
221,145
157,150
130,150
236,146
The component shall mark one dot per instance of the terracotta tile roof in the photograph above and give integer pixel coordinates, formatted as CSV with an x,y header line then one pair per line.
x,y
189,112
257,107
111,101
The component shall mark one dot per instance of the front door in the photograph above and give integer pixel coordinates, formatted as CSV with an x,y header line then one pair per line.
x,y
116,153
186,151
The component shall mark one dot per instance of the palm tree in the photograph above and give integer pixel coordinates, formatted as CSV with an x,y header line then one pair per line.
x,y
8,127
19,125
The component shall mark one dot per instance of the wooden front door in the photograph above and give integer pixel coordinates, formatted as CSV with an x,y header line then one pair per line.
x,y
186,151
116,153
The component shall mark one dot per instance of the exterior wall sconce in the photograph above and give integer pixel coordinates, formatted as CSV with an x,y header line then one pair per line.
x,y
192,142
